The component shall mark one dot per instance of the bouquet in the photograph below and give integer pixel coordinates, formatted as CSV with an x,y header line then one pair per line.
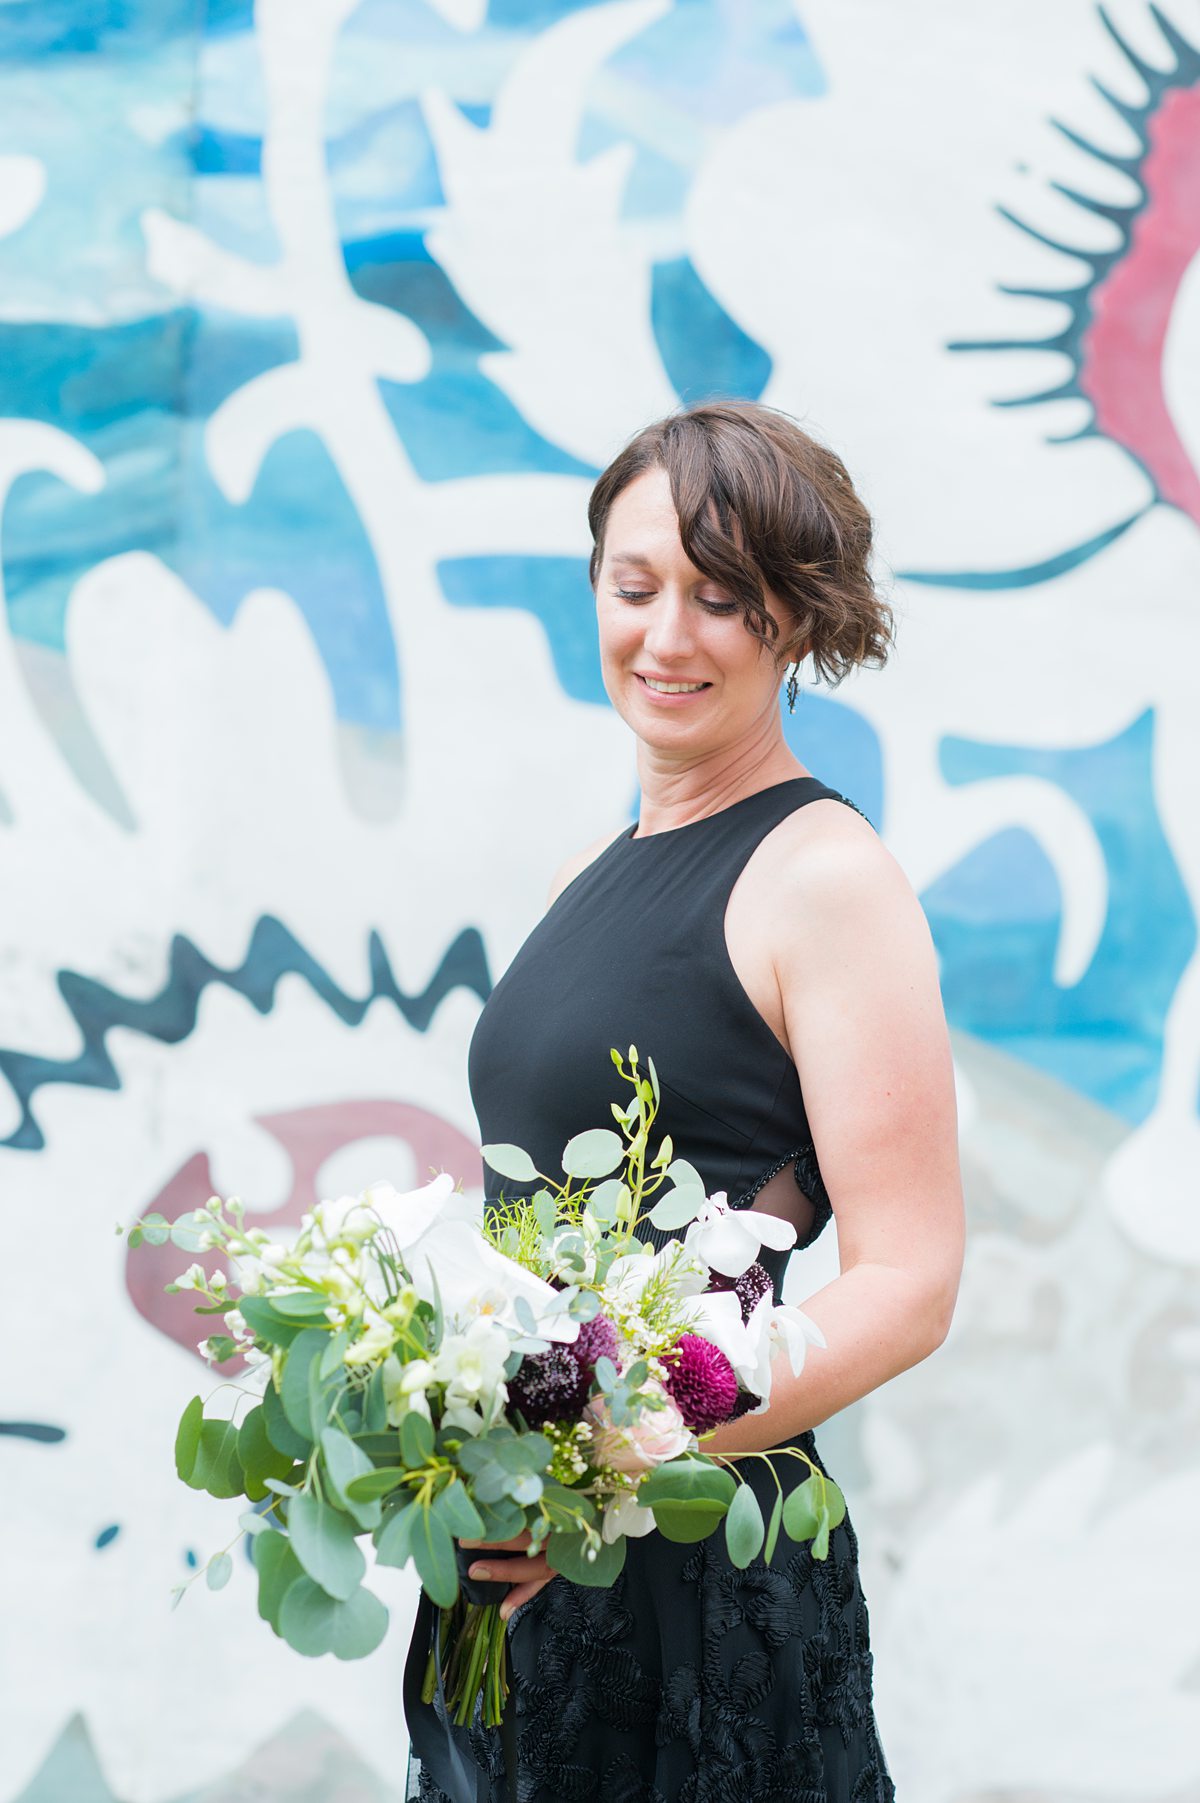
x,y
421,1368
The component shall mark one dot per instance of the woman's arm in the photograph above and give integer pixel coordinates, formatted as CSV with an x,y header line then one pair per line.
x,y
858,982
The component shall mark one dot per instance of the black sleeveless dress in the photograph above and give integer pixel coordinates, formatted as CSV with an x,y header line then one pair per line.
x,y
687,1681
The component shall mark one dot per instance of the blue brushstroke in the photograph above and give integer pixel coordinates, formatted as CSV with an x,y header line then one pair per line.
x,y
705,353
1027,575
31,29
41,1431
555,590
841,747
995,920
170,1016
107,1535
138,396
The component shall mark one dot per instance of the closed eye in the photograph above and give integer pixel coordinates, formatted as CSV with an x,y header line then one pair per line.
x,y
714,607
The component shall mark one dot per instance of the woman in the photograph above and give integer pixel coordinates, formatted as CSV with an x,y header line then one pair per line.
x,y
754,936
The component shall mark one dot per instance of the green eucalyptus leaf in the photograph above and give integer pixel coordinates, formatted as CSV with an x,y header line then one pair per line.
x,y
186,1231
333,1354
393,1537
374,1420
416,1440
265,1323
459,1512
687,1522
187,1439
835,1502
743,1527
300,1305
325,1544
593,1153
433,1555
676,1209
278,1568
684,1175
510,1161
502,1519
280,1432
566,1553
820,1545
687,1481
259,1459
374,1484
218,1571
313,1623
217,1468
344,1461
294,1391
802,1510
773,1527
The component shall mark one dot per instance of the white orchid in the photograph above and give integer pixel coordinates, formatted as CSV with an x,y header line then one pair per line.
x,y
405,1387
473,1278
623,1516
630,1272
471,1366
375,1343
730,1239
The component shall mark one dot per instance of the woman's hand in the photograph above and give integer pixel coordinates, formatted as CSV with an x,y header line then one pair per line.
x,y
526,1575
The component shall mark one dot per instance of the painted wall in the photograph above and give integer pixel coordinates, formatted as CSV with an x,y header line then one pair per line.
x,y
316,324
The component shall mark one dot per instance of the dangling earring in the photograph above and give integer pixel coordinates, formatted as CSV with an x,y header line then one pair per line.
x,y
792,687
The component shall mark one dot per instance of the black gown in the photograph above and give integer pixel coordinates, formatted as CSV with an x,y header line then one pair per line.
x,y
687,1681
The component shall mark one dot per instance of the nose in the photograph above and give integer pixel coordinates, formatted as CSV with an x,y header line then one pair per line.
x,y
668,631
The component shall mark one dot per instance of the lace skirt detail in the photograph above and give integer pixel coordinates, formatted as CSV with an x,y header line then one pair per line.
x,y
689,1681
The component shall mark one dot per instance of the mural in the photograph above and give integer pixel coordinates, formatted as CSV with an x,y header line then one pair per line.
x,y
319,319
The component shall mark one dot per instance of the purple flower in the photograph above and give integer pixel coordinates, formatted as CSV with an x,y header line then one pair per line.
x,y
554,1385
701,1381
750,1288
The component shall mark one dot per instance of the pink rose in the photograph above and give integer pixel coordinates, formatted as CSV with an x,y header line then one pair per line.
x,y
656,1436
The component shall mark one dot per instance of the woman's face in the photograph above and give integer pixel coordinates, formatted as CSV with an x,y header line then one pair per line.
x,y
661,621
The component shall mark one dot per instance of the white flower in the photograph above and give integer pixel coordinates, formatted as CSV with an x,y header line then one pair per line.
x,y
795,1331
235,1321
630,1272
623,1516
471,1365
730,1239
474,1279
194,1278
375,1343
349,1218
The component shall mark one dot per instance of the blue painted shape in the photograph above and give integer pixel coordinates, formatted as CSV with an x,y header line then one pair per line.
x,y
995,919
704,352
190,1559
713,64
170,1016
107,1535
30,29
841,747
555,590
43,1432
455,422
138,396
70,1773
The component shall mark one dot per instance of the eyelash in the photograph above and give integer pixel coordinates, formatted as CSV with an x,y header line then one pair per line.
x,y
715,607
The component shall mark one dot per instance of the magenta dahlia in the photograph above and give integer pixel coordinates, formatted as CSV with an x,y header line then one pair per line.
x,y
701,1381
554,1385
750,1288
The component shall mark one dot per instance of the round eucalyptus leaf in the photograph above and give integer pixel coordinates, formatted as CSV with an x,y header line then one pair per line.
x,y
743,1527
510,1161
594,1153
325,1544
187,1439
567,1553
313,1623
218,1571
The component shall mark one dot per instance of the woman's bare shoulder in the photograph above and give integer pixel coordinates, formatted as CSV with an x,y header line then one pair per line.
x,y
579,861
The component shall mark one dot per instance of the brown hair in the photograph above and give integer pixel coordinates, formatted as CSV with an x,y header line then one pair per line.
x,y
801,530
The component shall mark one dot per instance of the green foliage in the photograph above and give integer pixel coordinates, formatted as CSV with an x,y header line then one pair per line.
x,y
266,1323
510,1161
773,1527
280,1432
187,1439
689,1498
393,1536
433,1555
314,1623
278,1568
325,1544
812,1509
416,1440
567,1553
344,1461
593,1154
216,1467
258,1457
218,1571
743,1527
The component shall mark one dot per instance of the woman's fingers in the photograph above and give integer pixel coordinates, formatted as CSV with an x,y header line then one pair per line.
x,y
521,1593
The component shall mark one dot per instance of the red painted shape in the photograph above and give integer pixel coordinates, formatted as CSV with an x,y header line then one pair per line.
x,y
1122,348
309,1136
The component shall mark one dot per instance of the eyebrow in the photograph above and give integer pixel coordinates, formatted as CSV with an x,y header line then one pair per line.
x,y
643,563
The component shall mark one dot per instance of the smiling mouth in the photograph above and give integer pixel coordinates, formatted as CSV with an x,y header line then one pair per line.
x,y
671,688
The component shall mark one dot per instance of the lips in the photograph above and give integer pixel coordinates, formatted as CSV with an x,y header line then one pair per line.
x,y
670,694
